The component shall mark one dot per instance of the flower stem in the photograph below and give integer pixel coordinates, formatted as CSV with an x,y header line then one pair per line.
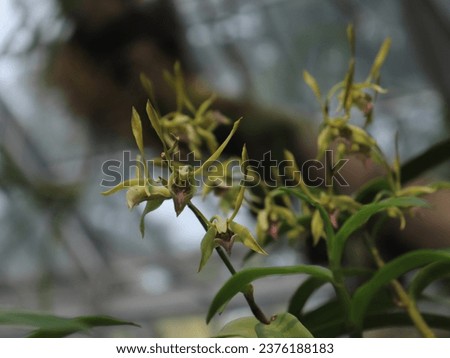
x,y
248,294
406,301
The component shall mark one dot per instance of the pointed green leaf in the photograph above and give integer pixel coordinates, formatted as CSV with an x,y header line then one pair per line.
x,y
152,204
391,271
207,246
317,227
359,218
379,59
312,83
180,89
351,38
219,150
88,321
241,328
155,121
245,236
240,281
347,100
285,325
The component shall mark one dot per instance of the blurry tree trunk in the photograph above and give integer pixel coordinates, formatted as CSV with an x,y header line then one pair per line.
x,y
114,41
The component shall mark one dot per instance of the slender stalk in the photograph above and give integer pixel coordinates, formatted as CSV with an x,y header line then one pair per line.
x,y
341,290
406,301
248,294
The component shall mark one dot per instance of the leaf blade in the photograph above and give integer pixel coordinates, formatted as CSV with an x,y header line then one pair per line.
x,y
240,280
392,270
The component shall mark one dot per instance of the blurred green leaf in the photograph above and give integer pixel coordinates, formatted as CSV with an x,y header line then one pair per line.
x,y
359,218
302,294
426,276
242,327
136,127
240,281
351,38
392,270
155,121
285,325
379,60
53,326
312,83
402,319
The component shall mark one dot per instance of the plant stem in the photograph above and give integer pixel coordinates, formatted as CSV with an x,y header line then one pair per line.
x,y
248,294
406,301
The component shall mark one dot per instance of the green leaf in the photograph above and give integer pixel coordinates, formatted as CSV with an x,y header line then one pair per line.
x,y
240,280
426,276
152,204
369,190
54,326
207,246
242,327
392,270
402,319
245,236
285,325
155,122
359,218
88,321
136,127
351,38
312,83
302,294
327,320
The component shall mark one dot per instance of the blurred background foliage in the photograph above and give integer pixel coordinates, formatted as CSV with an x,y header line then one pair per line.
x,y
69,74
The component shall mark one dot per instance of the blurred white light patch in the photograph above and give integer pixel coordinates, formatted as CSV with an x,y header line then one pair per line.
x,y
156,280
